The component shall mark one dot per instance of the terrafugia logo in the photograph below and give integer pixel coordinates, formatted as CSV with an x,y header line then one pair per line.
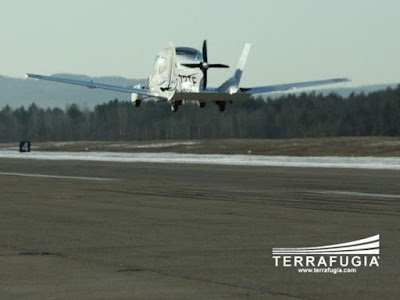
x,y
337,258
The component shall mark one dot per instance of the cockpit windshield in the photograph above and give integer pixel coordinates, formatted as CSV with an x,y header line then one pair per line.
x,y
185,51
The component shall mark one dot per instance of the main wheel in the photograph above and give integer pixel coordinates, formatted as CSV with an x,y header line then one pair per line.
x,y
174,107
221,106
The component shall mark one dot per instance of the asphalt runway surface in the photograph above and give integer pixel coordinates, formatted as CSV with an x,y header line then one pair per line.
x,y
84,230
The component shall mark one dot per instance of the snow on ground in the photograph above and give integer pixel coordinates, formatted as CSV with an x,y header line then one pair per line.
x,y
153,145
388,163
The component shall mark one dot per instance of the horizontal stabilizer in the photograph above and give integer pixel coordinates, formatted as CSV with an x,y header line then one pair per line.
x,y
208,96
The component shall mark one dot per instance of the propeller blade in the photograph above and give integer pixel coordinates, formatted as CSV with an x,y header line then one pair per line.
x,y
205,80
192,65
205,55
218,66
204,65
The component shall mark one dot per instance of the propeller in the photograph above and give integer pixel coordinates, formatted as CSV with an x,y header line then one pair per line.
x,y
204,65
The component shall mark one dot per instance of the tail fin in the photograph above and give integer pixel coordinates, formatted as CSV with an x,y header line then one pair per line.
x,y
232,84
171,72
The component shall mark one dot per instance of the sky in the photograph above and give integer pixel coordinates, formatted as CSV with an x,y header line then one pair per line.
x,y
292,40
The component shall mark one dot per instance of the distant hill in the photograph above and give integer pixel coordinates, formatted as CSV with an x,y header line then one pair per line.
x,y
341,91
16,92
366,89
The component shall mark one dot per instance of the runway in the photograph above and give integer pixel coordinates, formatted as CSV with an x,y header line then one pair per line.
x,y
383,163
189,231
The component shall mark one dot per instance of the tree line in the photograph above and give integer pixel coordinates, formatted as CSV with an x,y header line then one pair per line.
x,y
290,116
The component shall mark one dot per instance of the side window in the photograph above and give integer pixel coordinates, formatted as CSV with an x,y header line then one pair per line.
x,y
155,64
162,64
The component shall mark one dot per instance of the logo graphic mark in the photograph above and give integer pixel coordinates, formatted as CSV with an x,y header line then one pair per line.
x,y
365,246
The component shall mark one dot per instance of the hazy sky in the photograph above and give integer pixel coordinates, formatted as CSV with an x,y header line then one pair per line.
x,y
292,40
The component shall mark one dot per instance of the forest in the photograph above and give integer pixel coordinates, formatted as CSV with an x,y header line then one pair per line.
x,y
290,116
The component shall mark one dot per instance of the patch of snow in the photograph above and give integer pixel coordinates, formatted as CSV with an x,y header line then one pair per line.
x,y
387,163
155,145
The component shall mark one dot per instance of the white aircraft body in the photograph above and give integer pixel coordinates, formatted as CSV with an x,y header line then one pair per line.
x,y
180,75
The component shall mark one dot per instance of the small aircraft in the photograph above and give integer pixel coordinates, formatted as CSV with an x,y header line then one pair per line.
x,y
180,75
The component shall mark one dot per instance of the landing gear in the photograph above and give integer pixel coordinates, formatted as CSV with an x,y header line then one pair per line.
x,y
175,105
201,104
221,105
137,103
